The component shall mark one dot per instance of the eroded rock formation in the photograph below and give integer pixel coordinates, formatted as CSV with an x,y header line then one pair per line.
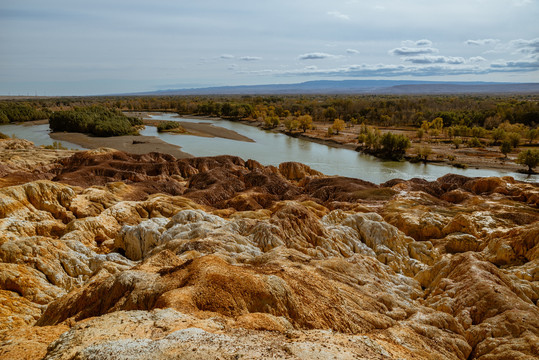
x,y
105,254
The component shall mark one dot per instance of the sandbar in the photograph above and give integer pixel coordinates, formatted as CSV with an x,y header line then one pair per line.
x,y
130,143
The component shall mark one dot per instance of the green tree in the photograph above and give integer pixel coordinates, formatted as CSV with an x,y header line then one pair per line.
x,y
330,113
3,118
506,148
498,135
531,135
514,138
394,145
529,158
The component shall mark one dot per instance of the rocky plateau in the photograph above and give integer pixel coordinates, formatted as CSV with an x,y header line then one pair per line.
x,y
109,255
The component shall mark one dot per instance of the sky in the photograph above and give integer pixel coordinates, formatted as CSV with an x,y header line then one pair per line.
x,y
82,47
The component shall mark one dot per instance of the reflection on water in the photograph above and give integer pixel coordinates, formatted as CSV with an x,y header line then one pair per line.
x,y
272,149
38,134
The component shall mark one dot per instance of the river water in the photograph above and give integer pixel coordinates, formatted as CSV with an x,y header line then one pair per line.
x,y
273,148
38,134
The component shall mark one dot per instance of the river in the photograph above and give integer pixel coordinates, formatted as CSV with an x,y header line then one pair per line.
x,y
38,134
272,148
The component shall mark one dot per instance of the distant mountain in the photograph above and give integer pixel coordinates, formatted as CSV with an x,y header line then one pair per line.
x,y
398,87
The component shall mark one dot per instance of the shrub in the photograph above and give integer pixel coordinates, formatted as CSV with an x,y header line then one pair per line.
x,y
394,145
474,143
529,158
420,133
55,145
423,153
168,125
478,132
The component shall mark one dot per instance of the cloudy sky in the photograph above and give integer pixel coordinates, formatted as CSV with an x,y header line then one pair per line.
x,y
67,47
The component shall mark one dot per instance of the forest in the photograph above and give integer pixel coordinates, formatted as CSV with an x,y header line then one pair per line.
x,y
471,121
483,111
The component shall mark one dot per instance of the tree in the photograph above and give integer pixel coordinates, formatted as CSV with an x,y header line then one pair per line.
x,y
514,139
305,122
338,126
437,123
372,140
3,118
291,124
506,148
423,153
394,145
529,158
271,121
330,113
498,135
475,143
531,135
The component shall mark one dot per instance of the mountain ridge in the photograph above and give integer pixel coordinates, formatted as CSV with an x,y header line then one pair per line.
x,y
389,87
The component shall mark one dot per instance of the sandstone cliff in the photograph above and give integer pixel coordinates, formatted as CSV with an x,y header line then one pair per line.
x,y
105,254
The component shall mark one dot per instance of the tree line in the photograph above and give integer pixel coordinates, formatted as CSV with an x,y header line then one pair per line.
x,y
384,110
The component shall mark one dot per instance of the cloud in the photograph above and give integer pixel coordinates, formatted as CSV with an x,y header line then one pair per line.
x,y
410,51
250,58
226,56
477,59
526,46
420,67
352,51
530,64
428,59
315,56
339,15
411,43
388,70
481,42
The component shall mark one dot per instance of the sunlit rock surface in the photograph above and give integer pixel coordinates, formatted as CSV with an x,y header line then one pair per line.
x,y
111,255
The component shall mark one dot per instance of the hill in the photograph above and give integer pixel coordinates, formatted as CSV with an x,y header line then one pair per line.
x,y
400,87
